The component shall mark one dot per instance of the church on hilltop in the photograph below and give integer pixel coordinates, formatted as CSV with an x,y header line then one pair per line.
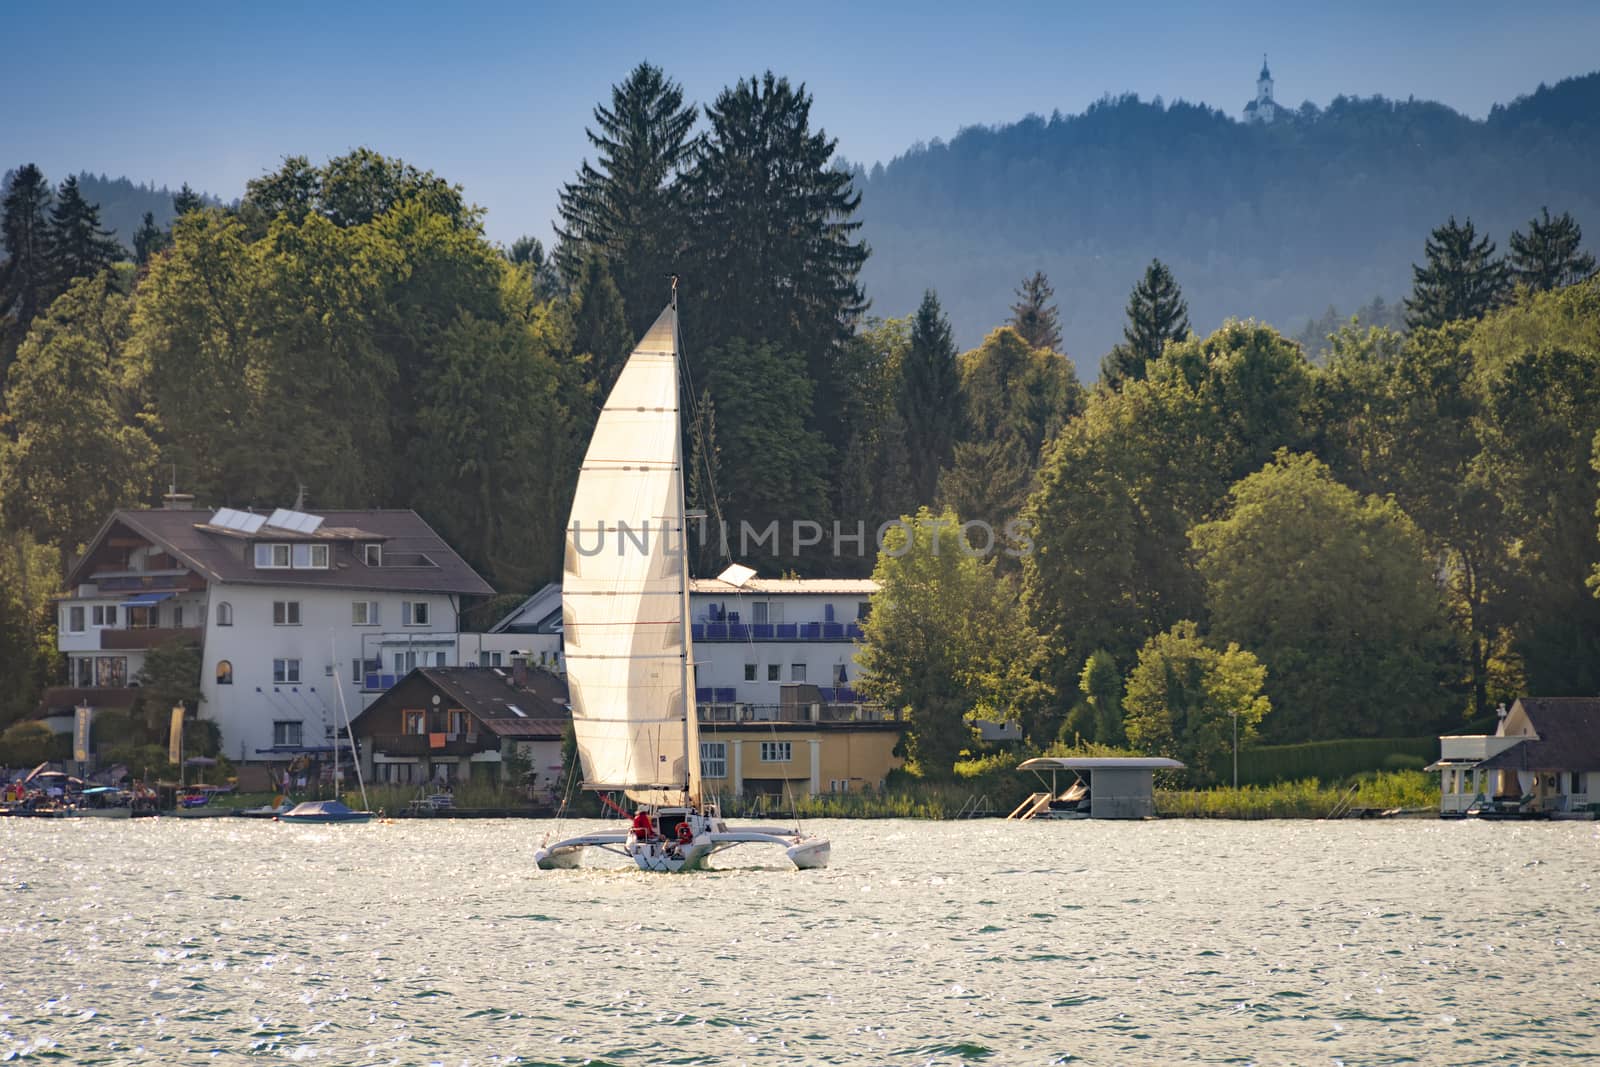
x,y
1263,108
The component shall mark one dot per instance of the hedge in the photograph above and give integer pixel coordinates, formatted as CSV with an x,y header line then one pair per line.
x,y
1330,760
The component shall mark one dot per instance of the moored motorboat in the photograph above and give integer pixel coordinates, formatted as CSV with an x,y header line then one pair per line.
x,y
324,811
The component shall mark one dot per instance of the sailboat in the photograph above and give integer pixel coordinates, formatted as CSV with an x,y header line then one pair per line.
x,y
335,810
625,627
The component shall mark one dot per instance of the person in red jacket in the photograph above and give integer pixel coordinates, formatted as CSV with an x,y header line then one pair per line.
x,y
642,827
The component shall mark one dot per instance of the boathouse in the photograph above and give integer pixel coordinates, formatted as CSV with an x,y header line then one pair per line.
x,y
1101,787
1543,758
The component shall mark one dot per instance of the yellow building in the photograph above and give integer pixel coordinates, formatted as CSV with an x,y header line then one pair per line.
x,y
796,750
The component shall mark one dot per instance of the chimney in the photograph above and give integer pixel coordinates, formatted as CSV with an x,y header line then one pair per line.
x,y
519,674
176,501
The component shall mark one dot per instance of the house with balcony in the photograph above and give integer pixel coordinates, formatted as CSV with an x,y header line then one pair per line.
x,y
1542,759
288,608
440,725
774,664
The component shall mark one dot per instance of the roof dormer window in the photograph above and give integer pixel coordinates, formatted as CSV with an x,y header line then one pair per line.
x,y
270,557
373,554
311,557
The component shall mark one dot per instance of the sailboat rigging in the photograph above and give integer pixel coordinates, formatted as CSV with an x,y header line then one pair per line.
x,y
335,810
625,626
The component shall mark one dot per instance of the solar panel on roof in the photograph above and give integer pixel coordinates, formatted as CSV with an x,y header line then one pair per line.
x,y
297,521
233,519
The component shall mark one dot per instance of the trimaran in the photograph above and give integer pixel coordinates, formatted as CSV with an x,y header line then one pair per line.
x,y
625,615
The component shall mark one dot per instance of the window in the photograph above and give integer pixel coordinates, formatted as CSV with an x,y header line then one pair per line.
x,y
286,613
749,672
373,555
224,672
286,733
414,612
413,721
142,618
438,660
488,659
360,668
85,672
774,672
313,557
758,611
286,671
111,672
863,609
274,557
224,614
713,759
776,751
797,672
404,662
364,613
1578,784
840,675
457,721
104,615
75,619
177,616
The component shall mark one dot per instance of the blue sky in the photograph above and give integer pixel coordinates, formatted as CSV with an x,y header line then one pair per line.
x,y
496,97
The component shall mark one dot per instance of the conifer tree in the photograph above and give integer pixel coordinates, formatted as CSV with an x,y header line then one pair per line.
x,y
149,239
1548,256
600,329
26,275
186,200
1461,279
80,248
930,397
775,250
1157,313
626,206
1034,317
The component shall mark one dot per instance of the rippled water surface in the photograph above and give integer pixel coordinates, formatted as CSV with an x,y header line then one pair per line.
x,y
162,941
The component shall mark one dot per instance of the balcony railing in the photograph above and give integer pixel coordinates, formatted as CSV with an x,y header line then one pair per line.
x,y
148,637
775,631
807,713
464,744
66,696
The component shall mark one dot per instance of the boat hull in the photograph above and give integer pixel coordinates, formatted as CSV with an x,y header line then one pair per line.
x,y
354,816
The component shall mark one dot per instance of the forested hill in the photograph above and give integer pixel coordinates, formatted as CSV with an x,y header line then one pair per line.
x,y
123,204
1275,222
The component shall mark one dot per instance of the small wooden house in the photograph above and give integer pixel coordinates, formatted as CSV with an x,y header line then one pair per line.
x,y
445,724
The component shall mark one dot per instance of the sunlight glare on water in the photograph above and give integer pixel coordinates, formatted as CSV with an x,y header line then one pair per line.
x,y
1416,941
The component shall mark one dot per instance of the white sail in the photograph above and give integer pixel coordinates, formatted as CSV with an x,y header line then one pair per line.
x,y
624,596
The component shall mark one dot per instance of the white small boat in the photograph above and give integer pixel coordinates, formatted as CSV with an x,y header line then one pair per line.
x,y
625,628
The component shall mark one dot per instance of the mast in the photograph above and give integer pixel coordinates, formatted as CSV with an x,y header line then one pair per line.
x,y
691,711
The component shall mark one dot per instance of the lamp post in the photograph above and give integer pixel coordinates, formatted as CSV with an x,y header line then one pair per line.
x,y
1235,750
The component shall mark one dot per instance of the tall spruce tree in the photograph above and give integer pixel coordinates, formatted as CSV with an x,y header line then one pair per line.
x,y
1034,316
1461,279
626,208
149,239
930,397
80,248
187,200
774,237
1157,313
1549,255
26,276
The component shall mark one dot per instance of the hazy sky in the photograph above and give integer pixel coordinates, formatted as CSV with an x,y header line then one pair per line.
x,y
496,97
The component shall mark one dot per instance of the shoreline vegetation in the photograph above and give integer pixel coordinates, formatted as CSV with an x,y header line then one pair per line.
x,y
1406,791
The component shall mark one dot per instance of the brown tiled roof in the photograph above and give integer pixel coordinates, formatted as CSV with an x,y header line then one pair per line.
x,y
489,693
415,558
1569,737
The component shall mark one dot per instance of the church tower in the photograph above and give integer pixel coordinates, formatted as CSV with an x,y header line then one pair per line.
x,y
1263,108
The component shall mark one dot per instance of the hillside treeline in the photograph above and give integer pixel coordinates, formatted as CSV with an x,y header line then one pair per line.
x,y
1383,542
1274,222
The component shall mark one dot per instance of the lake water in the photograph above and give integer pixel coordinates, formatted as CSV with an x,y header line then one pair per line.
x,y
176,942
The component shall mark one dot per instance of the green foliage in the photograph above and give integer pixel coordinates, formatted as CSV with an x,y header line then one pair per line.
x,y
27,744
1034,317
1550,255
170,676
875,473
27,276
628,210
1101,684
29,577
1335,595
945,642
149,239
1460,280
350,190
79,247
69,455
930,397
1331,760
1304,799
1157,313
1185,697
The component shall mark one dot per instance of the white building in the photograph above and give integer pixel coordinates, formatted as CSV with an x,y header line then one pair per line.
x,y
750,643
1263,108
287,608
